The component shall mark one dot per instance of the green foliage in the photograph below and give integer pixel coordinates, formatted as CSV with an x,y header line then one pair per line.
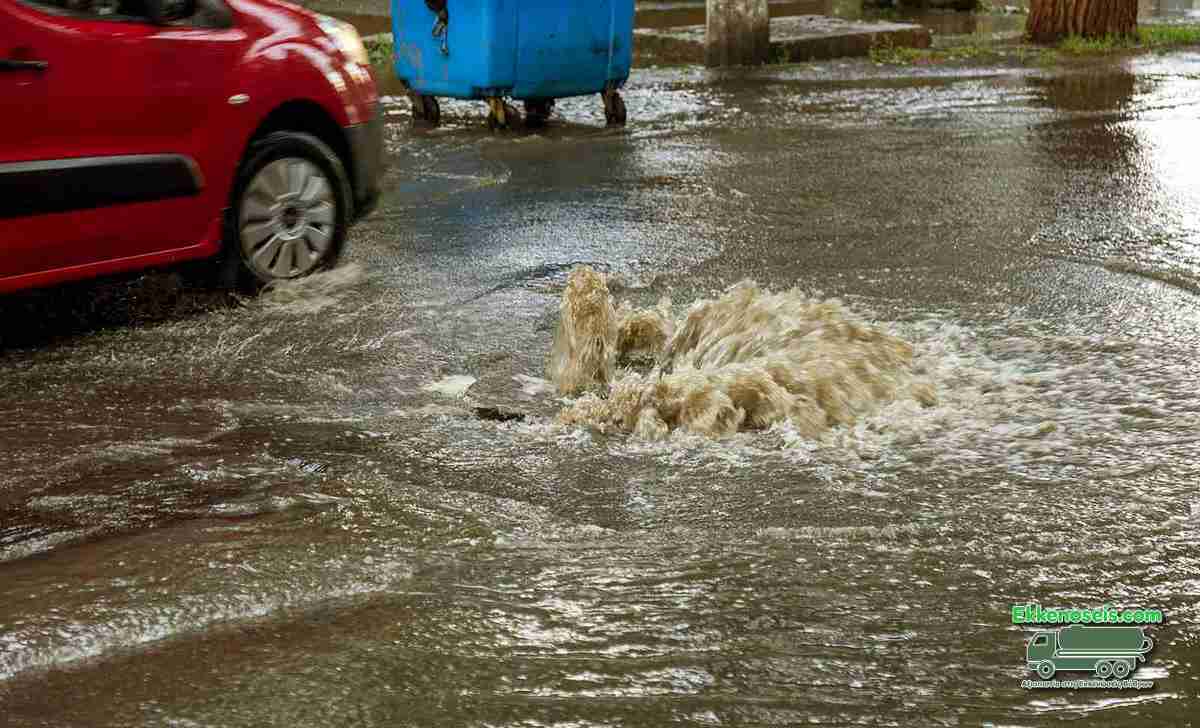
x,y
379,49
982,49
1148,37
885,52
978,48
1077,45
1160,36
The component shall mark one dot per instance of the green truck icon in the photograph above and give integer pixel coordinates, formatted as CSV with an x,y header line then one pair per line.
x,y
1106,651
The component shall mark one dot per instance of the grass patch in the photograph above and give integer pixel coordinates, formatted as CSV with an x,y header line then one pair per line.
x,y
983,49
1166,36
1075,45
1149,37
885,52
980,49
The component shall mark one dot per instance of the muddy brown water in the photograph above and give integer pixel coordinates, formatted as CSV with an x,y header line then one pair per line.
x,y
288,511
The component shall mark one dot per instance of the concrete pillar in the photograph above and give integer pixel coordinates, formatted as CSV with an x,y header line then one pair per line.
x,y
739,33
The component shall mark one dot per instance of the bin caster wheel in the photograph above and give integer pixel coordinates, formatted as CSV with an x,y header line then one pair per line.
x,y
537,113
502,115
614,108
425,109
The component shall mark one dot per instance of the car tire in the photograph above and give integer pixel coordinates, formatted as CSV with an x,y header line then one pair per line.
x,y
290,211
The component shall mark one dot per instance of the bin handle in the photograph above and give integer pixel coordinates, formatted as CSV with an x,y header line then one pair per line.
x,y
443,21
439,31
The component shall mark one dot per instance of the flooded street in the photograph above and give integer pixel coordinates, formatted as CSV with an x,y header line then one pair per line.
x,y
353,502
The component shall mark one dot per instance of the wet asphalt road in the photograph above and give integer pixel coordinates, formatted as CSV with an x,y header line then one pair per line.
x,y
260,514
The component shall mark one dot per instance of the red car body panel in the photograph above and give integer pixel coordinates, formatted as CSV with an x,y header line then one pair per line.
x,y
121,92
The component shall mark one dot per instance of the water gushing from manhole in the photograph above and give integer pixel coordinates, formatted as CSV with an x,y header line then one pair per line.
x,y
747,360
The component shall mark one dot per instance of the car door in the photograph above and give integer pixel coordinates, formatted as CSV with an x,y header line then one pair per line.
x,y
101,143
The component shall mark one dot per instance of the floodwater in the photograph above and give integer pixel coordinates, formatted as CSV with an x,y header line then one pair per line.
x,y
353,501
998,16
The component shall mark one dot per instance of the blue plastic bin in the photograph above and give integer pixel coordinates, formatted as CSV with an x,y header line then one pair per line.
x,y
531,50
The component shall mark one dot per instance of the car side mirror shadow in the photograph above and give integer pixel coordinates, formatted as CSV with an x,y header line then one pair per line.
x,y
164,12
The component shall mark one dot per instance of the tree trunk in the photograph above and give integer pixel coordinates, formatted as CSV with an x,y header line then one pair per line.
x,y
738,33
1053,20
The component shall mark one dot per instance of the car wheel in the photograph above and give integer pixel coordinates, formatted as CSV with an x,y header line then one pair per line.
x,y
1045,669
291,208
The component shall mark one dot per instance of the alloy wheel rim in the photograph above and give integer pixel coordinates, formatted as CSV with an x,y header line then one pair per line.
x,y
288,215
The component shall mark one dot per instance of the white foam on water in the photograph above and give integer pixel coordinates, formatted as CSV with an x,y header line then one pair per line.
x,y
312,294
44,544
454,386
59,640
533,386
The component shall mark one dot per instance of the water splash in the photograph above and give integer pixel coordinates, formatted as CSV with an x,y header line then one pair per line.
x,y
748,360
584,352
643,333
314,293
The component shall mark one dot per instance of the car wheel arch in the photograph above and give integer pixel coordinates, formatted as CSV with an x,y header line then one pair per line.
x,y
307,117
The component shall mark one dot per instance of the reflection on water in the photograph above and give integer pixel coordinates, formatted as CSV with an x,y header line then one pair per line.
x,y
1113,124
1096,89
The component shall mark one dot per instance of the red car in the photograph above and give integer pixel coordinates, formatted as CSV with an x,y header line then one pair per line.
x,y
137,133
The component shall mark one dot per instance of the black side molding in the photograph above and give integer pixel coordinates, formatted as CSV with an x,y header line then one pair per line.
x,y
11,64
85,183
